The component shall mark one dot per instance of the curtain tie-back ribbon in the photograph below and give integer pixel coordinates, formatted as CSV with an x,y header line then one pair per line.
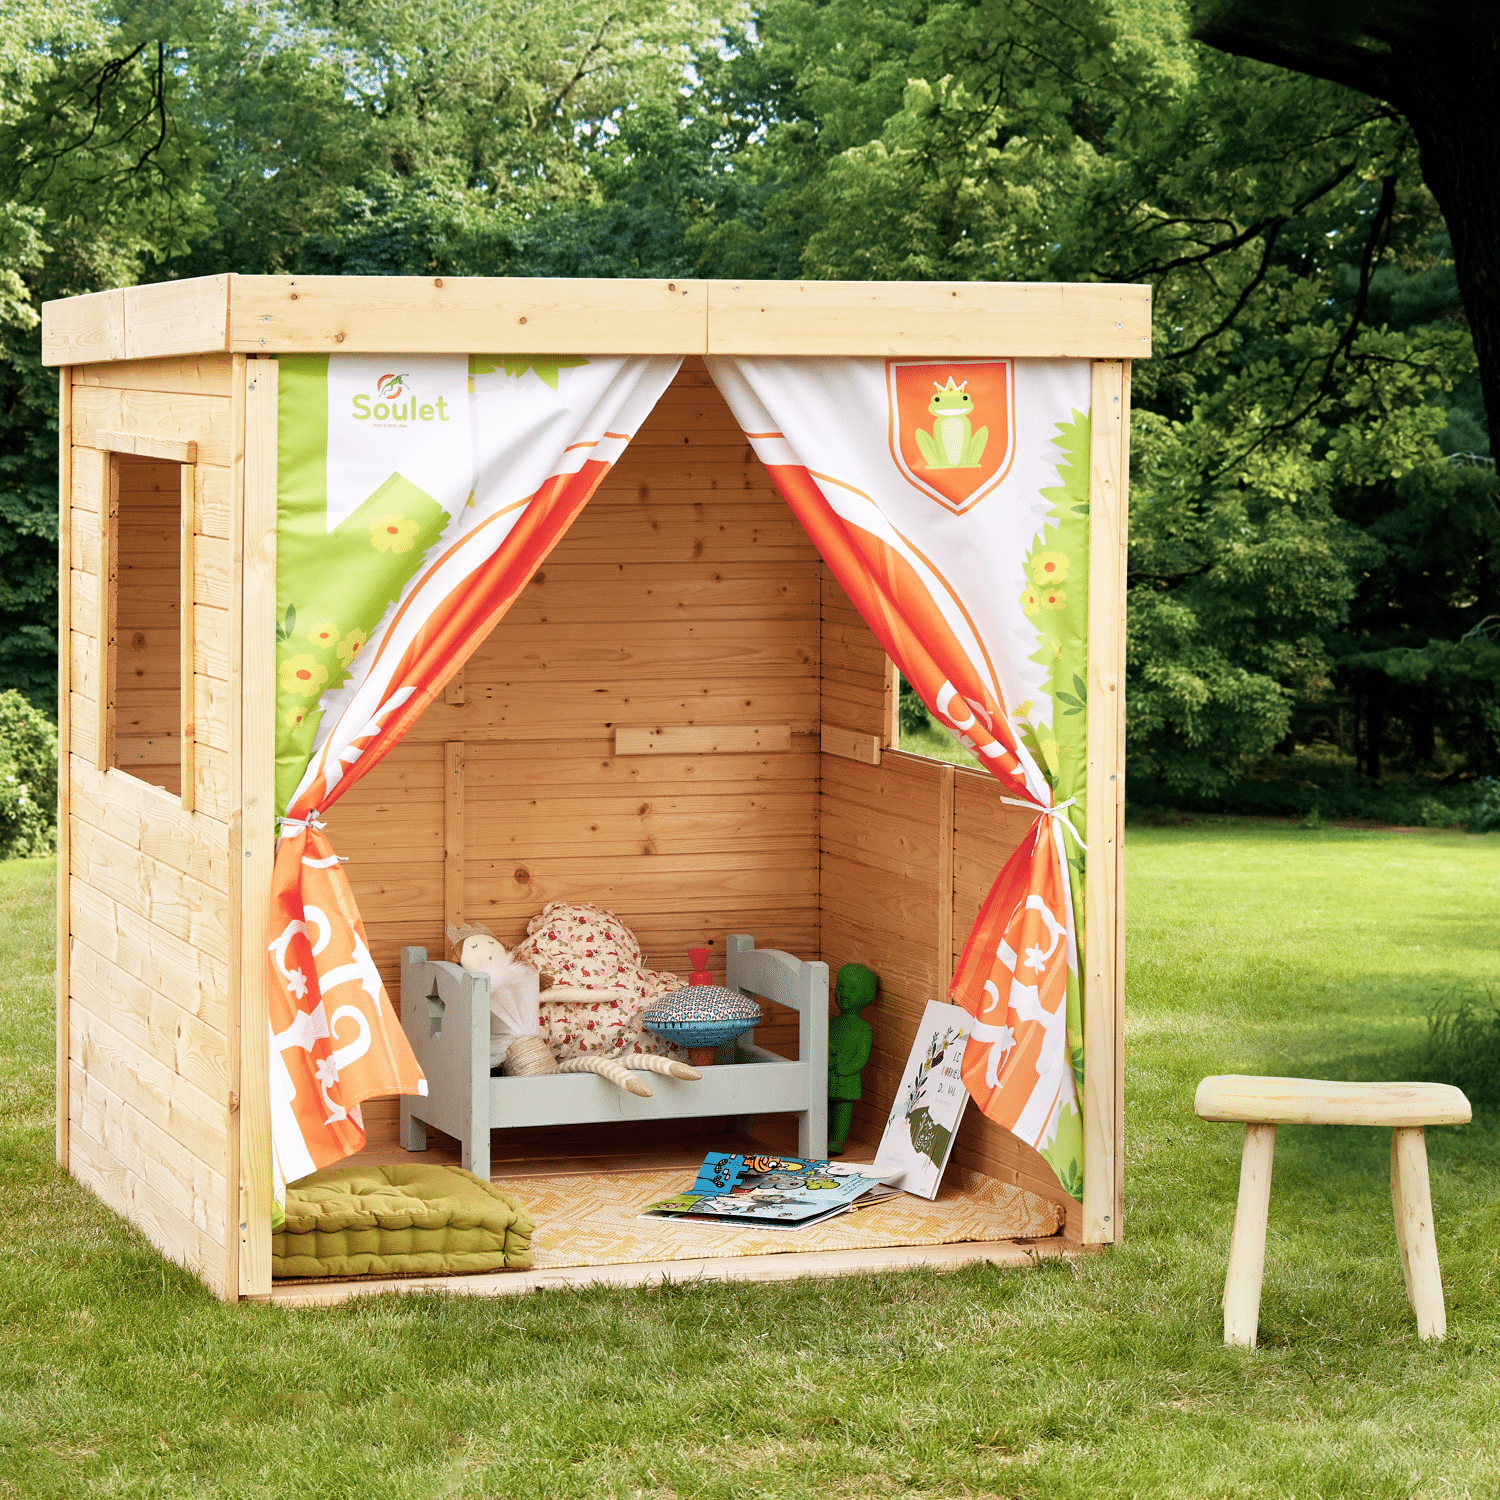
x,y
290,826
1054,811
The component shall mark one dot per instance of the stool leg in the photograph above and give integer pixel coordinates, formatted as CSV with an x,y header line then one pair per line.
x,y
1411,1198
1247,1246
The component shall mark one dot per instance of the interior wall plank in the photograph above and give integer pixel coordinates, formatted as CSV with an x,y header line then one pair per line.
x,y
849,653
909,848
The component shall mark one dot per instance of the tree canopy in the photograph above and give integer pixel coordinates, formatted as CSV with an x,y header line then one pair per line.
x,y
1313,503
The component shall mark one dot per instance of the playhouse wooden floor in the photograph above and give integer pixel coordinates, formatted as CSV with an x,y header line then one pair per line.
x,y
589,1151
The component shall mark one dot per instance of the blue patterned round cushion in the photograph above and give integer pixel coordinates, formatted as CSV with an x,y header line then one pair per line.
x,y
701,1015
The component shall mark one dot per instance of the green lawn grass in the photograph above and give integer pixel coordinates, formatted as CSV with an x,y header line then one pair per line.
x,y
1258,949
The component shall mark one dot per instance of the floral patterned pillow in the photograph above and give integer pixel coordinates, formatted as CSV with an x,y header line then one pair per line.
x,y
593,949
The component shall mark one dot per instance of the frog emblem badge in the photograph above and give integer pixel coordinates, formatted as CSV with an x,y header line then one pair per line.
x,y
952,443
952,426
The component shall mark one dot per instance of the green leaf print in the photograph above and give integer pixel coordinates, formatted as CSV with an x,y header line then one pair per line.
x,y
342,581
545,366
1056,603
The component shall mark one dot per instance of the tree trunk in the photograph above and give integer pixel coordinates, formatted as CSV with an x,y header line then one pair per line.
x,y
1438,62
1452,101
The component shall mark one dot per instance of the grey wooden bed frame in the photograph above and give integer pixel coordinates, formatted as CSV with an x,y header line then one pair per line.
x,y
445,1012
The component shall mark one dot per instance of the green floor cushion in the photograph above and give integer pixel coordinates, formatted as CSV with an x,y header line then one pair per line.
x,y
399,1221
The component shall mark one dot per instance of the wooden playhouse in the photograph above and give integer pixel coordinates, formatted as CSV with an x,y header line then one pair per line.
x,y
682,717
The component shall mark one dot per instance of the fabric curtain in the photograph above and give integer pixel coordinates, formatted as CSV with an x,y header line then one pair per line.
x,y
950,500
416,497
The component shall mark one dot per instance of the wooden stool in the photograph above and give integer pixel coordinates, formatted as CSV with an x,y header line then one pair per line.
x,y
1262,1104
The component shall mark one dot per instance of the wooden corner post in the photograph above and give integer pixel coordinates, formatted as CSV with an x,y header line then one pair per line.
x,y
255,768
64,738
1103,886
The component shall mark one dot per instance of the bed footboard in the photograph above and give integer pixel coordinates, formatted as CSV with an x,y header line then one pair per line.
x,y
778,976
445,1013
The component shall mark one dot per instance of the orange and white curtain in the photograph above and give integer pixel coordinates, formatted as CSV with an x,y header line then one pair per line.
x,y
416,497
950,500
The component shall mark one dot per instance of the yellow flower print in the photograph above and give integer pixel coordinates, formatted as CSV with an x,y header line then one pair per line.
x,y
1054,598
349,648
303,675
1050,753
1031,602
1050,567
394,534
294,718
324,635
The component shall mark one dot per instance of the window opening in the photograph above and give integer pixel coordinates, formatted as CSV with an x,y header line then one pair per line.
x,y
921,734
146,692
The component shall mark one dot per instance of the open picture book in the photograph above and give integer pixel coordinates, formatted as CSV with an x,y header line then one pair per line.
x,y
769,1192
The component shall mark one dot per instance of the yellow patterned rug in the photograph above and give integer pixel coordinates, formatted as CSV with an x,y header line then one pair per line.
x,y
595,1220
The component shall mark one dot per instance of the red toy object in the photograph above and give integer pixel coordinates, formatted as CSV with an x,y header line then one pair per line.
x,y
698,957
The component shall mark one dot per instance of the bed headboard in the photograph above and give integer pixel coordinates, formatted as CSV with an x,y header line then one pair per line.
x,y
775,975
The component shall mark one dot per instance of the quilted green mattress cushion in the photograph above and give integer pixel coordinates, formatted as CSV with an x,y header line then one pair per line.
x,y
399,1221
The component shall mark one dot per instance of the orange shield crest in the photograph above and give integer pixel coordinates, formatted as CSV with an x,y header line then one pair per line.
x,y
952,426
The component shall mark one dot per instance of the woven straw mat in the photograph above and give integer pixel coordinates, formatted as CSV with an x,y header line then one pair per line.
x,y
595,1220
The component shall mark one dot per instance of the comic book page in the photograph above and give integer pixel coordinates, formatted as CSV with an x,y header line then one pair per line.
x,y
929,1103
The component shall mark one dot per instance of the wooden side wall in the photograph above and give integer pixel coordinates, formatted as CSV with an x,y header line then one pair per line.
x,y
144,903
909,849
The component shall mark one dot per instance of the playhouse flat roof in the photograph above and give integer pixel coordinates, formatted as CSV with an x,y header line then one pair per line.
x,y
535,315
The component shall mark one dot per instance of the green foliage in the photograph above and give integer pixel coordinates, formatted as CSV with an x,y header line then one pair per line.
x,y
1485,818
28,778
1306,566
913,715
1463,1042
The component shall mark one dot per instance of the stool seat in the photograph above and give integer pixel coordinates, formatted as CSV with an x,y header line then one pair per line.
x,y
1249,1100
1261,1104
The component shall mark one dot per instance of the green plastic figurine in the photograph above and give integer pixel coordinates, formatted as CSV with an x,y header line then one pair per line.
x,y
849,1042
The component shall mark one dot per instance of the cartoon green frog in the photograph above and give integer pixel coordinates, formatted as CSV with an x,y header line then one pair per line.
x,y
952,444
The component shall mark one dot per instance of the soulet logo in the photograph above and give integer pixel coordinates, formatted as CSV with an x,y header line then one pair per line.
x,y
388,411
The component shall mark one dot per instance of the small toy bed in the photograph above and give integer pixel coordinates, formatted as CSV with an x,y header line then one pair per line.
x,y
445,1012
399,1221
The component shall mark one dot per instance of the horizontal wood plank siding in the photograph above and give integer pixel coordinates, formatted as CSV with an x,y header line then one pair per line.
x,y
148,958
